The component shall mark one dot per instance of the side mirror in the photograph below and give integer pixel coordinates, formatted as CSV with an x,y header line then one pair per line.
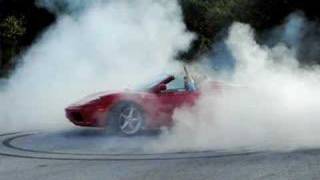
x,y
159,88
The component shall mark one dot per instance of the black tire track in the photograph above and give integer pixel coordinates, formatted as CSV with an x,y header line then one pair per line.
x,y
7,134
7,142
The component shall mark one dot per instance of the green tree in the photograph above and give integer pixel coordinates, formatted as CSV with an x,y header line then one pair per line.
x,y
11,30
208,17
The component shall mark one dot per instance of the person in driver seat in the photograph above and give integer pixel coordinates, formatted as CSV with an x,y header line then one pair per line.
x,y
189,83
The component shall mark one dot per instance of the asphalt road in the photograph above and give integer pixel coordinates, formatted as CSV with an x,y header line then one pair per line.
x,y
80,155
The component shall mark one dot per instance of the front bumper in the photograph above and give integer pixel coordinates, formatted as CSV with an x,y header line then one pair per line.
x,y
86,116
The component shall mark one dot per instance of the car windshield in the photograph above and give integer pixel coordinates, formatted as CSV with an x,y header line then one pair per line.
x,y
176,84
152,83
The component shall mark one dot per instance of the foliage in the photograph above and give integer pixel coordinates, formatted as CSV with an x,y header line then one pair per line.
x,y
20,23
210,17
207,18
12,28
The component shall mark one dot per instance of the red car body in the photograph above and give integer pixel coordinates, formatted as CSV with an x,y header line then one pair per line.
x,y
157,102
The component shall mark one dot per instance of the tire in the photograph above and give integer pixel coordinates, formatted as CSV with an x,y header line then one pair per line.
x,y
127,118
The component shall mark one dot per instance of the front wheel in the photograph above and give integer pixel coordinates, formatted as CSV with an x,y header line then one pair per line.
x,y
128,118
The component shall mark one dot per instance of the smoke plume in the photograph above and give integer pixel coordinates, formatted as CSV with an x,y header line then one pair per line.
x,y
271,101
106,45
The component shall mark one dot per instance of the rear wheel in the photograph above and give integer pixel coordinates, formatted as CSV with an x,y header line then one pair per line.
x,y
128,118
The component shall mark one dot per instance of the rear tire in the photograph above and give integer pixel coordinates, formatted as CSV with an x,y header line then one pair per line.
x,y
127,118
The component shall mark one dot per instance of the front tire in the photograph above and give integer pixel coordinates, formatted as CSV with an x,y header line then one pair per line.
x,y
127,118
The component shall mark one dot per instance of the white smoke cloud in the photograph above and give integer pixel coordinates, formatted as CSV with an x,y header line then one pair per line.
x,y
109,45
275,108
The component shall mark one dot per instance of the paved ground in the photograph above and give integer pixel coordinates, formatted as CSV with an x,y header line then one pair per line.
x,y
33,157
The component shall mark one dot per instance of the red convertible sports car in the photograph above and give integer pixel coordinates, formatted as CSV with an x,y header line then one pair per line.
x,y
129,112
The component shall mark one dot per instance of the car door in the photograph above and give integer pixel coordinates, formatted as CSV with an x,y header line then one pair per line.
x,y
174,97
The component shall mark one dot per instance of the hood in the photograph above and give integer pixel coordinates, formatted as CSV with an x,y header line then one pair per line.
x,y
93,97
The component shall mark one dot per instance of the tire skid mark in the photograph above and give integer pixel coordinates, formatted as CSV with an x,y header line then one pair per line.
x,y
8,134
7,142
